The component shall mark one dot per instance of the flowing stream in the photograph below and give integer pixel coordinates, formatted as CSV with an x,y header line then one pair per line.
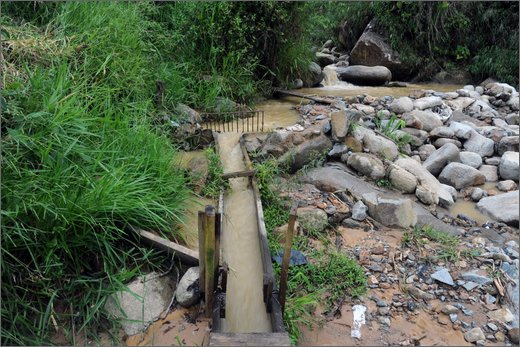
x,y
245,308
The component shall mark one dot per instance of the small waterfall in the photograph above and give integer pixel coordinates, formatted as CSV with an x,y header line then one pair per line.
x,y
331,80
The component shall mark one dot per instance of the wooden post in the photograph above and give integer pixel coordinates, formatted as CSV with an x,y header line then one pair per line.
x,y
287,255
202,258
209,253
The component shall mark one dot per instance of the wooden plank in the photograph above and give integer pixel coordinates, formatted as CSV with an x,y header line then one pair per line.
x,y
202,265
300,95
249,339
185,254
209,258
287,254
245,173
276,315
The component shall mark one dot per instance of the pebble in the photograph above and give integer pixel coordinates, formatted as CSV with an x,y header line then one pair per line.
x,y
500,336
492,326
449,309
513,335
411,305
444,320
469,286
503,315
489,299
467,312
411,279
381,303
384,311
442,275
384,321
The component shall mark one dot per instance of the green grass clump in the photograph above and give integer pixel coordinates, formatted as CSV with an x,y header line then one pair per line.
x,y
214,182
447,244
72,177
390,129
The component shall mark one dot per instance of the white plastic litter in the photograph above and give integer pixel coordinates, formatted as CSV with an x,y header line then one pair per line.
x,y
358,311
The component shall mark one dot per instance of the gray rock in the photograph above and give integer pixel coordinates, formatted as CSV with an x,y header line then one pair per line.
x,y
509,166
390,212
188,291
146,298
314,77
441,157
339,123
381,146
492,161
462,131
460,176
508,144
427,102
306,152
426,150
427,120
513,119
473,276
506,186
479,144
476,194
474,335
490,172
502,315
418,137
187,113
312,218
442,141
442,275
325,59
471,159
469,286
401,105
402,180
364,75
338,150
442,132
367,164
372,49
359,211
503,207
428,182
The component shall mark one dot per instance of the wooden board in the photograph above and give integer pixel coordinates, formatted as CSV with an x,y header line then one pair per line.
x,y
249,339
300,95
185,254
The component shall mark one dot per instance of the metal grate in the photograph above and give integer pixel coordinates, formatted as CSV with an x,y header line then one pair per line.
x,y
239,121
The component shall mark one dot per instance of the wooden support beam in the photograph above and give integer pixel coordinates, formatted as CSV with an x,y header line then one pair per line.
x,y
202,257
249,339
287,255
185,254
209,258
245,173
300,95
276,315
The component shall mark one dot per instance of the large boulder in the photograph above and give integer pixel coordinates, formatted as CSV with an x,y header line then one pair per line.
x,y
367,164
431,190
312,219
325,59
508,144
372,49
427,120
460,176
389,211
427,102
490,172
188,291
364,75
462,131
187,114
301,155
313,77
401,105
440,158
471,159
402,180
379,145
479,144
143,301
508,167
503,207
341,121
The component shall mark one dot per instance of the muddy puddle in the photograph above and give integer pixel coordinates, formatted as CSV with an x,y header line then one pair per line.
x,y
245,309
181,327
468,207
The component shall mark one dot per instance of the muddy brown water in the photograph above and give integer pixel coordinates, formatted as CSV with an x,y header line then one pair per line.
x,y
469,207
245,309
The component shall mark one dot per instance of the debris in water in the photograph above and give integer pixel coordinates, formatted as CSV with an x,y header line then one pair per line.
x,y
358,311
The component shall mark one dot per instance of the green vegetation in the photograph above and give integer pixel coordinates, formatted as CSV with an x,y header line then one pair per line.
x,y
214,182
390,128
329,277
